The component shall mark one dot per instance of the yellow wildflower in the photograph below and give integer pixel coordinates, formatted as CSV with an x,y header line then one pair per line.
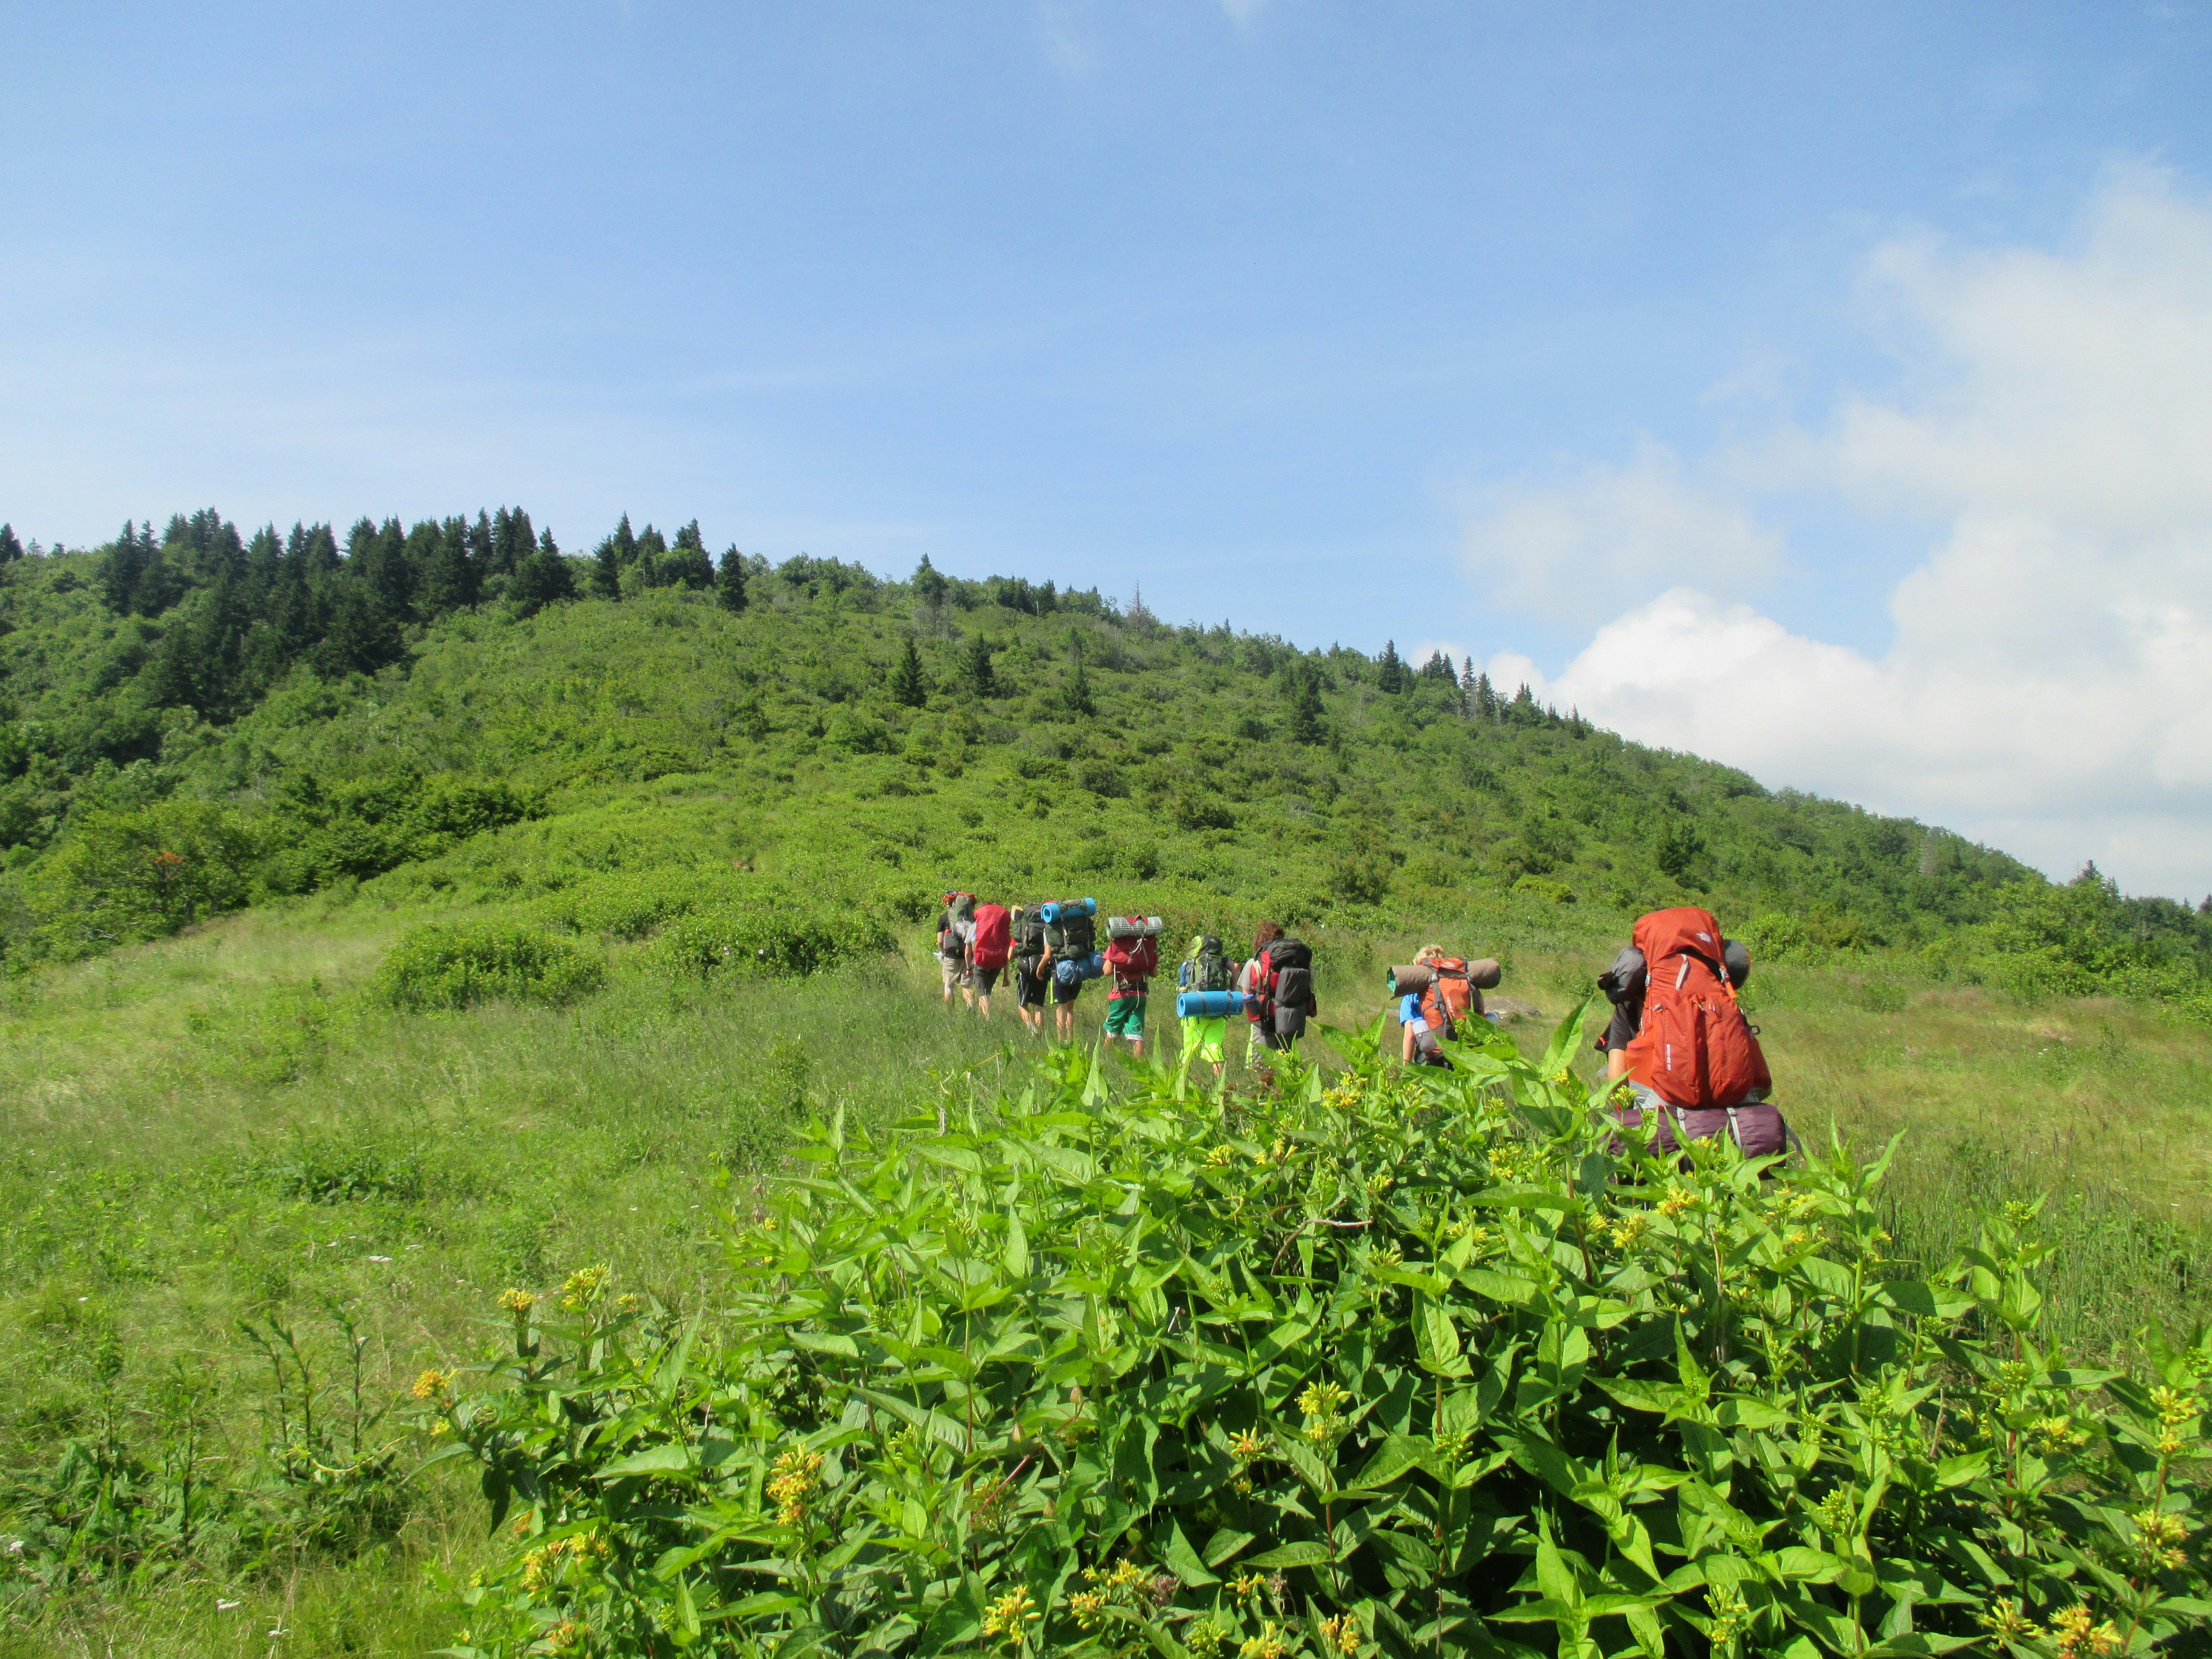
x,y
1008,1617
584,1286
792,1481
1089,1608
1342,1634
1221,1156
2057,1434
2005,1621
1247,1446
517,1303
1267,1645
1678,1200
2174,1407
1246,1587
432,1383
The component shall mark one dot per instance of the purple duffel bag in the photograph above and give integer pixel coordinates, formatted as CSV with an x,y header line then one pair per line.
x,y
1759,1128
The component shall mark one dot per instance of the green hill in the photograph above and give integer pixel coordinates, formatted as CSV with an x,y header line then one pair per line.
x,y
390,939
425,708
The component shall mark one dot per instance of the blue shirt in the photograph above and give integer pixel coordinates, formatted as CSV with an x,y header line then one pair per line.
x,y
1409,1014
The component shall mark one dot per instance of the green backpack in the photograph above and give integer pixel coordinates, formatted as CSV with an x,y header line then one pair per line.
x,y
1028,933
1076,934
1209,968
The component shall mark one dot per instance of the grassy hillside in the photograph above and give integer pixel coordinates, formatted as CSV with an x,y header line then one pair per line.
x,y
229,1127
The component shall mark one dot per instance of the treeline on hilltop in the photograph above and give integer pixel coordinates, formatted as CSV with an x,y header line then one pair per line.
x,y
169,689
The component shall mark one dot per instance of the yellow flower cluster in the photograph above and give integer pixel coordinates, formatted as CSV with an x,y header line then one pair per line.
x,y
541,1567
584,1286
518,1302
1247,1586
1221,1157
432,1383
1269,1643
2161,1536
1624,1229
1342,1634
2076,1632
2005,1621
791,1481
1008,1618
1347,1093
1678,1200
2057,1434
2175,1408
1323,1405
1089,1608
1731,1615
568,1637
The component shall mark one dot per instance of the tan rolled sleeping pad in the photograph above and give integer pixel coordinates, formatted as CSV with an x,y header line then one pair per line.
x,y
1416,977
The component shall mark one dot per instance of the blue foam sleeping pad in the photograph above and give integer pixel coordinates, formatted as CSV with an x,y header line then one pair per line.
x,y
1070,969
1208,1005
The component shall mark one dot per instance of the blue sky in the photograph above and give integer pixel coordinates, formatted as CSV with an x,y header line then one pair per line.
x,y
1298,313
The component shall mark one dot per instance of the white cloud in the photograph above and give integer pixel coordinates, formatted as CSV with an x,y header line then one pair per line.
x,y
1623,532
2047,685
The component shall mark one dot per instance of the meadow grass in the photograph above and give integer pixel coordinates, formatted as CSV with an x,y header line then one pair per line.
x,y
220,1128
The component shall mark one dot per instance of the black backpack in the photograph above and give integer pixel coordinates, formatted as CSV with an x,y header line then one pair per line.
x,y
1210,969
1077,933
1029,934
1289,975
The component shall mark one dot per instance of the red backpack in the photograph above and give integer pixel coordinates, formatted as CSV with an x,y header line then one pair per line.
x,y
1131,960
1451,997
994,937
1695,1049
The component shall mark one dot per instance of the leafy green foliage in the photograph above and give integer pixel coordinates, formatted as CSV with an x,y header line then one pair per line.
x,y
136,875
1400,1365
437,965
754,938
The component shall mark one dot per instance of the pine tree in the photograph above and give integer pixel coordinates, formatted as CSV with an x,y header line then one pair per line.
x,y
121,566
980,680
1391,673
909,687
1485,698
1301,686
451,580
689,564
10,549
927,584
542,579
1076,694
730,579
611,558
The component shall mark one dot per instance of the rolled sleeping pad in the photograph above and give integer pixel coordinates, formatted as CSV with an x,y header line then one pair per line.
x,y
1485,974
1051,912
1411,980
1208,1005
1073,970
1134,926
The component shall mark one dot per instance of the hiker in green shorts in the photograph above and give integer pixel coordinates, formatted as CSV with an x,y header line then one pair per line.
x,y
1131,958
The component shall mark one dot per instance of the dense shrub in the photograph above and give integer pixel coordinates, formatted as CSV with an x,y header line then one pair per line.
x,y
1419,1363
127,876
441,966
776,941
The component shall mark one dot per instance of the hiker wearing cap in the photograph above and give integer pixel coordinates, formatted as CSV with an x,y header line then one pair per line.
x,y
1678,1042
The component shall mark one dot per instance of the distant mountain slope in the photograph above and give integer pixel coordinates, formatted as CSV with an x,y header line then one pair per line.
x,y
877,738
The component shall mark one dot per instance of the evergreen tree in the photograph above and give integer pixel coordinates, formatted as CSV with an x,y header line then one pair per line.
x,y
611,558
909,687
10,549
451,580
651,558
1486,698
689,563
1302,688
362,637
1389,672
542,579
378,556
1076,694
927,584
730,579
980,680
121,566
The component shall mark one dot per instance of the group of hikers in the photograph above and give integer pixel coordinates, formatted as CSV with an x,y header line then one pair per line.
x,y
1685,1060
1051,951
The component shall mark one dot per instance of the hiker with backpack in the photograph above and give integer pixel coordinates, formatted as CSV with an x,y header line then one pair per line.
x,y
952,944
1029,975
1248,982
1071,953
1133,957
1205,968
990,943
1282,986
1438,994
1679,1040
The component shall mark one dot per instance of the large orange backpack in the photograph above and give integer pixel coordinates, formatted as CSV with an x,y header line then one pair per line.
x,y
1695,1050
1451,997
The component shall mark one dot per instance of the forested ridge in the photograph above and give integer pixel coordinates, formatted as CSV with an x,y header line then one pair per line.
x,y
195,720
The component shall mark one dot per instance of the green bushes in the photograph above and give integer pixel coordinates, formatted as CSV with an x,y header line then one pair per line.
x,y
1410,1364
128,876
441,966
770,941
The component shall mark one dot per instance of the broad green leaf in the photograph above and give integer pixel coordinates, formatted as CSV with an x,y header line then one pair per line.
x,y
1307,1554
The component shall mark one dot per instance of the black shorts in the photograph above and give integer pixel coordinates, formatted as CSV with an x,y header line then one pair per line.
x,y
1065,991
1029,987
981,980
